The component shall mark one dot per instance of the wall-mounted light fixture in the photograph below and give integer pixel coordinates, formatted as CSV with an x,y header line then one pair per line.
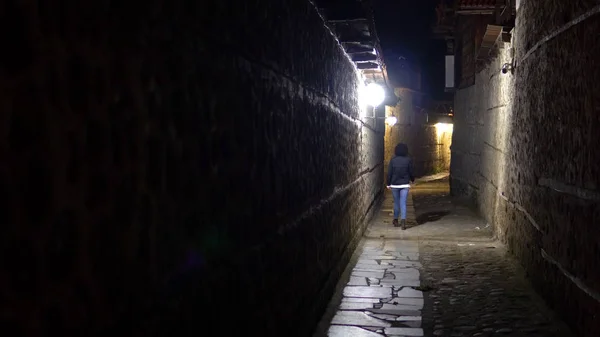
x,y
506,67
509,67
391,120
372,94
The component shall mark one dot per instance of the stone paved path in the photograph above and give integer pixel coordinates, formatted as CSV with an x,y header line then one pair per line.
x,y
443,277
480,291
382,296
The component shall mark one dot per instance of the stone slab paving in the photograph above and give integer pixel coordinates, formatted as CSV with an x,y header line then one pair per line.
x,y
441,288
448,279
381,297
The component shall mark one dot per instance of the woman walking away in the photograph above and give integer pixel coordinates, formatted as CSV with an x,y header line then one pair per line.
x,y
399,175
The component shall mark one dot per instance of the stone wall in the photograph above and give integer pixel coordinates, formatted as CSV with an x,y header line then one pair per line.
x,y
171,168
524,150
480,139
428,146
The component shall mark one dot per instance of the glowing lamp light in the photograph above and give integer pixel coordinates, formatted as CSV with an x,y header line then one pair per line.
x,y
391,120
372,94
444,127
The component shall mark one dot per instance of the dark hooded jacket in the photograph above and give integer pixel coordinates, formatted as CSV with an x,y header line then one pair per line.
x,y
400,169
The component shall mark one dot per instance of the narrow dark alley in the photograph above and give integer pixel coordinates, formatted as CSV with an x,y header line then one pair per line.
x,y
225,168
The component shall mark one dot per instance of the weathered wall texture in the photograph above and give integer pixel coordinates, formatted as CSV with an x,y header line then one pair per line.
x,y
166,170
481,126
428,146
525,150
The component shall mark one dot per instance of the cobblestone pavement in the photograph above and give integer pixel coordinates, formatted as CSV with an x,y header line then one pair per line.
x,y
445,276
477,290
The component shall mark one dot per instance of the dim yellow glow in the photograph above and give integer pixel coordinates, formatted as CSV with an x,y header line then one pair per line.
x,y
443,132
444,127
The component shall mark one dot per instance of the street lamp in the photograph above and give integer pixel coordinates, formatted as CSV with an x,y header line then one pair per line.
x,y
372,94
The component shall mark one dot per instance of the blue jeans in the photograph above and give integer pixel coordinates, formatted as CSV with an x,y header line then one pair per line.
x,y
400,195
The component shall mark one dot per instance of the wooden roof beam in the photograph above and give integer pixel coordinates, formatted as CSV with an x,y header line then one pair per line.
x,y
475,11
358,38
367,65
492,34
346,28
362,57
352,48
350,21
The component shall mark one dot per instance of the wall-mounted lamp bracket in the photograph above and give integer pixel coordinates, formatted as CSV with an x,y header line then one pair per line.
x,y
510,67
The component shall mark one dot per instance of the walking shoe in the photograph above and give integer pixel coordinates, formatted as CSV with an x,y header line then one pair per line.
x,y
403,223
395,222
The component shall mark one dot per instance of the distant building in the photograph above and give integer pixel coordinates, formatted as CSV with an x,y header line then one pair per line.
x,y
417,118
471,29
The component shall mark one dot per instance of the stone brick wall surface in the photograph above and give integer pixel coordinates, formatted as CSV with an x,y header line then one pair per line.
x,y
168,168
524,149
